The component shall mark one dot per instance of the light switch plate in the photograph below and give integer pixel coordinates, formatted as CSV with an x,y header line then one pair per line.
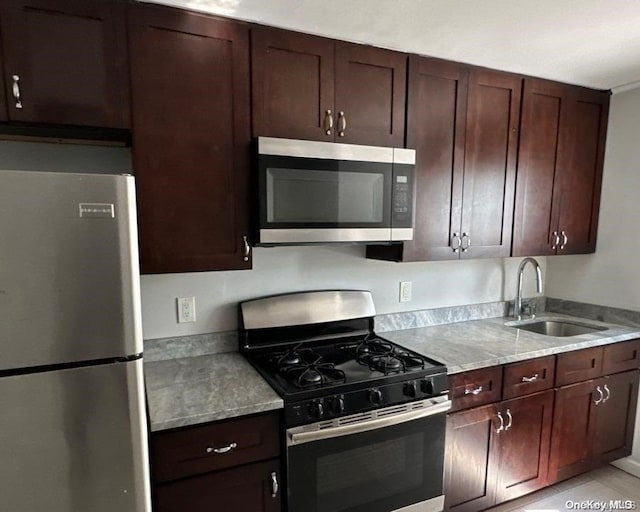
x,y
186,309
405,291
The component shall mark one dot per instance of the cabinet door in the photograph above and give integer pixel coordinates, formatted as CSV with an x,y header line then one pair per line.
x,y
292,85
572,431
247,488
436,116
470,463
580,166
191,138
524,445
544,106
68,60
616,417
370,93
490,163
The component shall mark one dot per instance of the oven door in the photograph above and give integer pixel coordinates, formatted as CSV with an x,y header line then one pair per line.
x,y
375,462
334,193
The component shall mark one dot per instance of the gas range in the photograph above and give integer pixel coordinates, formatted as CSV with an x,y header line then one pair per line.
x,y
330,368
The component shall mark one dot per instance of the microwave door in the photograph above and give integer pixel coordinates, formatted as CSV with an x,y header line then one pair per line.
x,y
307,200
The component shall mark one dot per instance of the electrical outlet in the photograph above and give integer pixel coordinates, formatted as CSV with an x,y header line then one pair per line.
x,y
405,291
186,309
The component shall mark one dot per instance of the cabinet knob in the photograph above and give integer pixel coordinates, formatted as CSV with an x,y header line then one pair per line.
x,y
565,239
501,427
510,418
608,391
465,236
556,240
224,449
475,391
274,484
455,242
328,122
16,91
533,378
247,248
600,398
342,123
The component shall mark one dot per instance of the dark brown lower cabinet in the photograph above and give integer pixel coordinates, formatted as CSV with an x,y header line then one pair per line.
x,y
593,424
243,489
497,452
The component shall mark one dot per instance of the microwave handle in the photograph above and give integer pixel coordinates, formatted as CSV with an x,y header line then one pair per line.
x,y
442,406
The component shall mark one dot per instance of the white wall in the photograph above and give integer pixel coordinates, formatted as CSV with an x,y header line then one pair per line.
x,y
287,269
611,276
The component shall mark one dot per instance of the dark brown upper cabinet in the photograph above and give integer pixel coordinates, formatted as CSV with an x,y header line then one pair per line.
x,y
191,139
436,116
560,164
463,124
493,114
65,62
308,87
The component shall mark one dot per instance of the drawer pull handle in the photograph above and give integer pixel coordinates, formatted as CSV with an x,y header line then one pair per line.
x,y
224,449
533,378
606,388
274,484
510,420
501,427
599,400
475,391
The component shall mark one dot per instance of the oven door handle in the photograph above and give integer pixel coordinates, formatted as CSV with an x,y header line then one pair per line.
x,y
356,428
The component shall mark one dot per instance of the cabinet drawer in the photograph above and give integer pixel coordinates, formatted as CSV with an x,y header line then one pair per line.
x,y
477,387
528,377
620,357
579,365
214,446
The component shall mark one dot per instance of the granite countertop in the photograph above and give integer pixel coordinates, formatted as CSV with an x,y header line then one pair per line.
x,y
464,346
192,390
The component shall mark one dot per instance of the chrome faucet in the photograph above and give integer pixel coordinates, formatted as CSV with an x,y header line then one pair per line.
x,y
517,313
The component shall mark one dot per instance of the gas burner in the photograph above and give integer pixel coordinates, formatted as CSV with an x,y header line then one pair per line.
x,y
382,356
293,356
312,374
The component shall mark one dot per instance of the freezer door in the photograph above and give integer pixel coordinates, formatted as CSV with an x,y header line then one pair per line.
x,y
74,441
69,278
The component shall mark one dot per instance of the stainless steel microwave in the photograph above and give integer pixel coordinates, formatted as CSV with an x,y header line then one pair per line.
x,y
324,192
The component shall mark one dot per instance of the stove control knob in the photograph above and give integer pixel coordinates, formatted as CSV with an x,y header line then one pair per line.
x,y
338,404
375,397
411,389
316,409
426,386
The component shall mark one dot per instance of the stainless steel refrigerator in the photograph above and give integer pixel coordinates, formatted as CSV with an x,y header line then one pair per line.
x,y
73,430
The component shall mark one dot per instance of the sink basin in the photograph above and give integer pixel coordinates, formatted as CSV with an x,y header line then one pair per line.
x,y
557,328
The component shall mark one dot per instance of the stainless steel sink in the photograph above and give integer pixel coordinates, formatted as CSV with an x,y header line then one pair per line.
x,y
557,328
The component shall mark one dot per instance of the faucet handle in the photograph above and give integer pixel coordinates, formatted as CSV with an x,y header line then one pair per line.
x,y
529,308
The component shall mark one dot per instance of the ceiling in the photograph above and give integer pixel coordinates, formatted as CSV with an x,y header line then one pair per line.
x,y
595,43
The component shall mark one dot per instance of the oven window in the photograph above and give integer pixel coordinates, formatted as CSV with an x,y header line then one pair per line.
x,y
372,472
322,196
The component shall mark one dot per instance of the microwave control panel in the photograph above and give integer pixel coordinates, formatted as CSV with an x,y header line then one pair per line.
x,y
402,197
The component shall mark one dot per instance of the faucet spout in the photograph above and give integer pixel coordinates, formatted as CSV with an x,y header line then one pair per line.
x,y
517,314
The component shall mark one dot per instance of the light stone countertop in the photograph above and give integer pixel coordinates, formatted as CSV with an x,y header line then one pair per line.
x,y
475,344
198,389
193,390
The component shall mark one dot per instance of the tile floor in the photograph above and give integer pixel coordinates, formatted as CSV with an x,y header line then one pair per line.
x,y
601,485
